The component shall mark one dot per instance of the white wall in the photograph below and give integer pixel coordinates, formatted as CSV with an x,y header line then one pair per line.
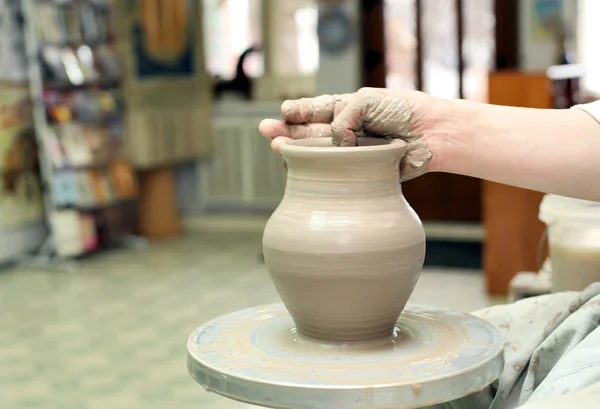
x,y
338,73
588,35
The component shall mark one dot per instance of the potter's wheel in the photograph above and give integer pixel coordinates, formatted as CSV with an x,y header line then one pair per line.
x,y
255,356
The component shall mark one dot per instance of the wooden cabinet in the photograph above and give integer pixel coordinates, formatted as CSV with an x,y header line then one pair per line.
x,y
444,197
510,214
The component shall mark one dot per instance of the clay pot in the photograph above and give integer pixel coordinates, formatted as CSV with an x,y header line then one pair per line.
x,y
344,248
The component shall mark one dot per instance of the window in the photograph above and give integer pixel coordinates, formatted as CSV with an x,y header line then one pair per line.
x,y
294,42
443,47
401,44
307,42
478,47
229,28
232,26
440,48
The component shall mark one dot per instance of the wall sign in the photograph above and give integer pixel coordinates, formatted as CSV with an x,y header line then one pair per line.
x,y
547,19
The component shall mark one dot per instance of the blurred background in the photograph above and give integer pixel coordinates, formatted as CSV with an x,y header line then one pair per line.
x,y
134,185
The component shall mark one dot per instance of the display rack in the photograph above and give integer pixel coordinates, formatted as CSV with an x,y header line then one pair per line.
x,y
90,188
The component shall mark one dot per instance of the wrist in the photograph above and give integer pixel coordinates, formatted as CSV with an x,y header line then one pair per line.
x,y
449,134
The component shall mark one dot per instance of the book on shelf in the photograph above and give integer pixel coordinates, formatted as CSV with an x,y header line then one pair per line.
x,y
77,22
123,180
80,66
93,188
75,233
84,106
75,146
52,147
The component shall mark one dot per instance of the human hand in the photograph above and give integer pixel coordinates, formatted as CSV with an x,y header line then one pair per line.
x,y
369,112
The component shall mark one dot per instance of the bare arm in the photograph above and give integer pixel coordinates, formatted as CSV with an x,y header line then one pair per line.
x,y
553,151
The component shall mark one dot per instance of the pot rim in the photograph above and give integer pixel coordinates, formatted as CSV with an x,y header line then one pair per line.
x,y
324,146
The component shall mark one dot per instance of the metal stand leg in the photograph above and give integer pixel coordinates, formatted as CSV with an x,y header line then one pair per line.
x,y
133,242
47,259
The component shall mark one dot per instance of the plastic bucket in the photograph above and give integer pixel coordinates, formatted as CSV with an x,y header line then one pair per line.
x,y
574,239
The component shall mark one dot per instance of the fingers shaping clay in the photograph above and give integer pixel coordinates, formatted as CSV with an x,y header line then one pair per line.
x,y
320,109
348,118
344,248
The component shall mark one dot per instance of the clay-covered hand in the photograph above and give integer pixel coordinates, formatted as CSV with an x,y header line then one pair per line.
x,y
368,112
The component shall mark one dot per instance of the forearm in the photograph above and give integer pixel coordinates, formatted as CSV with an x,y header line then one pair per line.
x,y
554,151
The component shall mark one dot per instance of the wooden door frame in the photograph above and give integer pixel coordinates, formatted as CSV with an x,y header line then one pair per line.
x,y
506,35
374,75
459,15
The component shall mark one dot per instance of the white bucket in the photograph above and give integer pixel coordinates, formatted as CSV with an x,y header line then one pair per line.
x,y
574,239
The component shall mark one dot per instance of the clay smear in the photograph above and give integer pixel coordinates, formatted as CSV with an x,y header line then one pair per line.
x,y
428,351
367,113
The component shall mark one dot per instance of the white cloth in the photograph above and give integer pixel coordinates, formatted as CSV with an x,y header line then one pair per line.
x,y
552,349
592,108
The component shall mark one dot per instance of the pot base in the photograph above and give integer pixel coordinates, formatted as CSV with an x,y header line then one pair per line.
x,y
434,356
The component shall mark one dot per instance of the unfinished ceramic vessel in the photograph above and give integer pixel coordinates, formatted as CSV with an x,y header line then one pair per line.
x,y
344,248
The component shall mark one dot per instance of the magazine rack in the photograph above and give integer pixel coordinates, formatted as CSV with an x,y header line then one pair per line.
x,y
90,188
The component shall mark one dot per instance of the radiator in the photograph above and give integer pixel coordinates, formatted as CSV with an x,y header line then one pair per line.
x,y
243,173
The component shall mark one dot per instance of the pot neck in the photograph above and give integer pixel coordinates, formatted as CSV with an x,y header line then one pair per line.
x,y
314,178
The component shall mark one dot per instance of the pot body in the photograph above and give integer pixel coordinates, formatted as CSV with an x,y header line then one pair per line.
x,y
344,248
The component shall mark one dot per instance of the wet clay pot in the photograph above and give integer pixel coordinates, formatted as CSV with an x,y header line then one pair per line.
x,y
344,248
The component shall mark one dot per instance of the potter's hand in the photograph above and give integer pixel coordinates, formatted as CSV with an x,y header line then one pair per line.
x,y
368,112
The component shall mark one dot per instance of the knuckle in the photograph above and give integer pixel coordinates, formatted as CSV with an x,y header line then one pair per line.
x,y
336,126
368,91
290,110
312,109
369,97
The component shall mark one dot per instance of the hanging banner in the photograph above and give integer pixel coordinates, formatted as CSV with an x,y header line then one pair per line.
x,y
166,87
163,38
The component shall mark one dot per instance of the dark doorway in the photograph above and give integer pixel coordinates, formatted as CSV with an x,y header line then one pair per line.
x,y
445,48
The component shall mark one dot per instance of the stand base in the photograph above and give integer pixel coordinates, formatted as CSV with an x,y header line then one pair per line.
x,y
159,216
256,356
17,242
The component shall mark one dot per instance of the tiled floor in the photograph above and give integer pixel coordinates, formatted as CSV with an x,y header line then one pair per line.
x,y
112,333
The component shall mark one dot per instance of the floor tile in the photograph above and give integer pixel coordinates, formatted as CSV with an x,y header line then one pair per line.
x,y
112,333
